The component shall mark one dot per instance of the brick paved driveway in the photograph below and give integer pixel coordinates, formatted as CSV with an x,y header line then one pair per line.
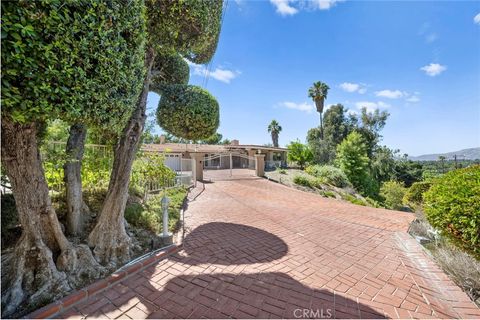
x,y
256,249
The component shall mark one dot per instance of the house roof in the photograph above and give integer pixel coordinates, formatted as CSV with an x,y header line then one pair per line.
x,y
207,148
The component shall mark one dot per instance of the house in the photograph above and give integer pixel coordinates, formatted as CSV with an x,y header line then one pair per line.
x,y
235,155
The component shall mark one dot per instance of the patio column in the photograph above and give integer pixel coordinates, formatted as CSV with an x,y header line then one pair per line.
x,y
251,154
197,165
259,165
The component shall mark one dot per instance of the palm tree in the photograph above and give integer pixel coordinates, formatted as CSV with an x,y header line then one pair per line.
x,y
318,92
274,128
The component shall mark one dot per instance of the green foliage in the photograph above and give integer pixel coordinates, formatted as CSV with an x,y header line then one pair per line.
x,y
318,90
149,215
329,175
322,150
150,167
169,68
393,193
354,200
274,129
188,112
299,153
302,180
414,195
452,205
353,161
189,27
74,60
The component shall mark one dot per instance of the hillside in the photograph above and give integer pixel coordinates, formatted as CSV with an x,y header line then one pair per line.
x,y
465,154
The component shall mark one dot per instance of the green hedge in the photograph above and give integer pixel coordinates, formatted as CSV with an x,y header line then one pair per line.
x,y
452,205
79,61
169,68
329,174
414,195
188,112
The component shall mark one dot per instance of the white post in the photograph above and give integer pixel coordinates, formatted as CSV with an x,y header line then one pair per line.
x,y
165,202
231,164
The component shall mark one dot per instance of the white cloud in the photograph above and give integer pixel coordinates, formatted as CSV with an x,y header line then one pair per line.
x,y
352,112
220,74
413,99
324,4
476,19
305,107
283,7
371,106
391,94
291,7
433,69
353,87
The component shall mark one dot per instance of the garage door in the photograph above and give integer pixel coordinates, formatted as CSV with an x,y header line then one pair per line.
x,y
173,161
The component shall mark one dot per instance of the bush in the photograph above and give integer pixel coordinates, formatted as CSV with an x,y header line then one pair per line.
x,y
414,195
302,181
353,160
393,193
149,215
329,175
354,200
452,205
188,112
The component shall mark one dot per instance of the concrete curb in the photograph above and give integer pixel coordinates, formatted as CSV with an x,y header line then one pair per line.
x,y
52,309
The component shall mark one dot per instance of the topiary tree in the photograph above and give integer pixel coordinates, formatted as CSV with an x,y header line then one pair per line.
x,y
452,205
169,68
189,112
190,28
56,66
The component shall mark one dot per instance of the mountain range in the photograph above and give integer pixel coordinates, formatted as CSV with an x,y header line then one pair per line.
x,y
464,154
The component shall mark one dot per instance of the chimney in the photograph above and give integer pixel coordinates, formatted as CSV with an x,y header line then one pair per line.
x,y
235,142
162,139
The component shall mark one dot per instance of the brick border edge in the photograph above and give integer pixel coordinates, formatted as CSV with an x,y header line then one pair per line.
x,y
52,309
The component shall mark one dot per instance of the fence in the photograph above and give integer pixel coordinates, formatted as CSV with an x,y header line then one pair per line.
x,y
148,176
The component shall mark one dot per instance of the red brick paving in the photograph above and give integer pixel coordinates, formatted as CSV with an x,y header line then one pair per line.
x,y
256,249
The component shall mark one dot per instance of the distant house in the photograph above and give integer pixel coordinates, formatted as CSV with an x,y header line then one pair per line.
x,y
218,156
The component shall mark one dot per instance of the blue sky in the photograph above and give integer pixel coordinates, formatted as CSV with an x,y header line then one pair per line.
x,y
420,61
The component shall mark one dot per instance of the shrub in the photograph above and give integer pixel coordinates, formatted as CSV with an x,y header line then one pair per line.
x,y
302,181
452,205
393,193
353,199
414,195
188,112
149,215
329,175
352,159
299,153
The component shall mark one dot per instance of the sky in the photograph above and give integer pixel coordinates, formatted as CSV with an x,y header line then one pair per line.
x,y
420,61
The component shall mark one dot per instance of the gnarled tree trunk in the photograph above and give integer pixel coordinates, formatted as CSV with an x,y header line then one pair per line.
x,y
73,181
109,239
45,264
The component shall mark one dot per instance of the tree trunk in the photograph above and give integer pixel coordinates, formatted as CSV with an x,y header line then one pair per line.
x,y
73,180
109,239
321,126
35,277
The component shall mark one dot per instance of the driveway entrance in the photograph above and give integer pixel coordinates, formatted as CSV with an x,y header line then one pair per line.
x,y
257,249
228,166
